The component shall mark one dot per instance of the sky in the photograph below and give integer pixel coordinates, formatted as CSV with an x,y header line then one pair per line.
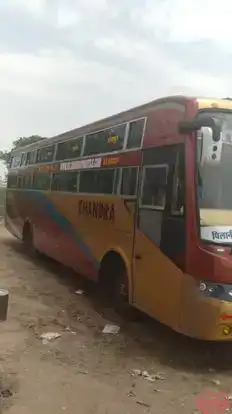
x,y
64,63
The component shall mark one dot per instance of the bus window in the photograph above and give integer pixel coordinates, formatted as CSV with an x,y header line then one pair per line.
x,y
9,164
12,181
178,195
108,140
16,161
23,159
135,135
98,181
27,181
45,154
65,181
20,181
41,181
69,149
154,186
30,158
129,181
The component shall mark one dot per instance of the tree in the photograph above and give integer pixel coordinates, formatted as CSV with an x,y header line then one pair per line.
x,y
18,143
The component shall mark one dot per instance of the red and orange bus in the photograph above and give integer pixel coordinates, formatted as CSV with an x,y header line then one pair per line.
x,y
142,202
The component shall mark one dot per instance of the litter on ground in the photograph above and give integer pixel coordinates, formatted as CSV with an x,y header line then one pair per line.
x,y
111,329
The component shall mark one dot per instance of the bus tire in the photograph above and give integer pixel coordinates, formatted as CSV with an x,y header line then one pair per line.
x,y
28,240
114,282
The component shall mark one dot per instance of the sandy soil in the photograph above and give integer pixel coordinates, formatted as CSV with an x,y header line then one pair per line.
x,y
85,371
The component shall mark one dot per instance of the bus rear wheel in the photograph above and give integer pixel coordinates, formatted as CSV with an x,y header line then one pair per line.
x,y
28,240
114,283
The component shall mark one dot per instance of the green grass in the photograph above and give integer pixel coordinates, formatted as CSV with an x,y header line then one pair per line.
x,y
2,200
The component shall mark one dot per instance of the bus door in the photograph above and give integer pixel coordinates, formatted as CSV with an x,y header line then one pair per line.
x,y
159,246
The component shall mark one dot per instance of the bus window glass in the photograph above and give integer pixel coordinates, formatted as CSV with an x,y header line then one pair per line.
x,y
116,180
30,158
12,181
23,160
10,161
64,181
178,195
129,181
135,135
108,140
16,161
154,186
20,181
45,154
98,181
27,181
69,149
41,181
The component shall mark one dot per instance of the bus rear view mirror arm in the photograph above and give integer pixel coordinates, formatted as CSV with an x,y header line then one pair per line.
x,y
199,122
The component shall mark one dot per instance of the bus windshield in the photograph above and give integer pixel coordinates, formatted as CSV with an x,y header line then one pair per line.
x,y
214,188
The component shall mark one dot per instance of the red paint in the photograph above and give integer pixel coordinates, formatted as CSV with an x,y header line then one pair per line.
x,y
213,402
162,126
225,317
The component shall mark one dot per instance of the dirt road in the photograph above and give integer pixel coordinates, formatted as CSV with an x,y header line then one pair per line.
x,y
85,371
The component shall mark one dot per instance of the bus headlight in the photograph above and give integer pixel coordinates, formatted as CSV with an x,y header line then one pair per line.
x,y
212,289
202,286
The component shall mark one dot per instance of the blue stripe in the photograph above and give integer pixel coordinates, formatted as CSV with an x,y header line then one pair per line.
x,y
54,214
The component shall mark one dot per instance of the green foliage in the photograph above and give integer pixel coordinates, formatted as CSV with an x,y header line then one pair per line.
x,y
18,143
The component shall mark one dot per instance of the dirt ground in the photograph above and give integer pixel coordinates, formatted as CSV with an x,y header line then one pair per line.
x,y
85,371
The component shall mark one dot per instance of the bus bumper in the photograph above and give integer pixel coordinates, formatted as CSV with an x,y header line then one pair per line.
x,y
204,317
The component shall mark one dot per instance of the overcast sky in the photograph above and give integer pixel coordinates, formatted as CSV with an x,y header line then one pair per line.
x,y
64,63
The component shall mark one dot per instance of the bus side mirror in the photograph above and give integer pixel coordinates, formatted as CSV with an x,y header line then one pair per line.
x,y
209,135
210,152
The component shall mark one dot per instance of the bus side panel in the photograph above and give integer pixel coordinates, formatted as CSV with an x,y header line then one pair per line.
x,y
76,236
14,213
72,230
100,224
157,282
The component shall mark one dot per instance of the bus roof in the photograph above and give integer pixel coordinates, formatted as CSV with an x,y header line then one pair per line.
x,y
124,116
128,115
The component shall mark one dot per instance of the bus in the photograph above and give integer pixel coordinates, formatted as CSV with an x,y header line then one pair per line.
x,y
140,202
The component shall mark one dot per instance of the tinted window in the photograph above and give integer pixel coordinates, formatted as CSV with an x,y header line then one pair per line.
x,y
109,140
178,194
116,179
154,186
9,164
16,161
27,181
98,181
65,181
135,133
69,149
41,181
30,158
20,181
129,180
45,154
23,160
12,181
